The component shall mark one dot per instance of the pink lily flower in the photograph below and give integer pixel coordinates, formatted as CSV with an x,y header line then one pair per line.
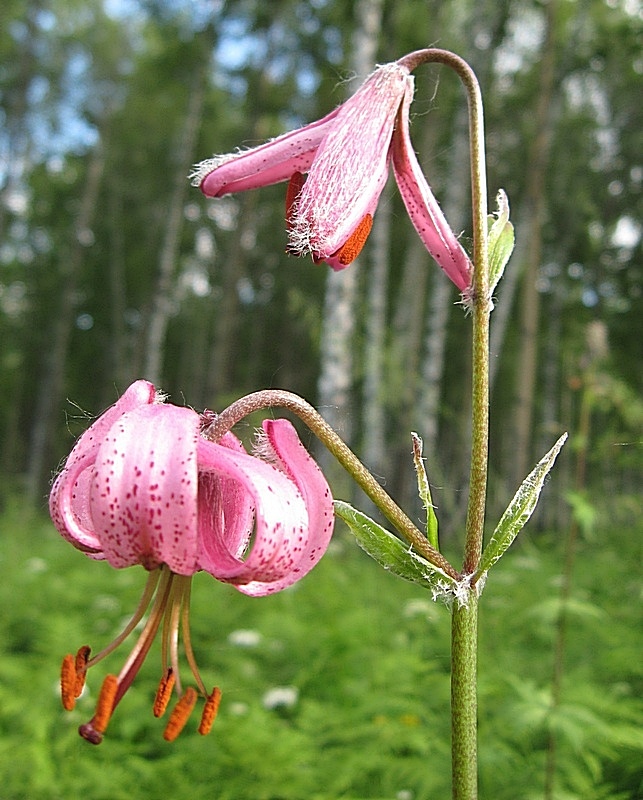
x,y
347,155
144,486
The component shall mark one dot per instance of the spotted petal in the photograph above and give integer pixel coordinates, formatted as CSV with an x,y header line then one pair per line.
x,y
272,162
423,208
143,493
69,497
293,518
351,166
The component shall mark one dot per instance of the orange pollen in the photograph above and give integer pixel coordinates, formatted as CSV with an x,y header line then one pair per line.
x,y
80,665
105,704
180,714
210,710
295,185
352,247
68,680
164,692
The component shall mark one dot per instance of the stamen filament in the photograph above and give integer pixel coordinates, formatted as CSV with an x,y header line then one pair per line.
x,y
210,710
187,639
164,692
180,714
144,642
148,593
171,627
166,598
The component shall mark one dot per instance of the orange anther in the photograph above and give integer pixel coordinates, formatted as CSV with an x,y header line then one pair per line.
x,y
180,714
295,185
80,665
68,682
105,704
164,692
352,247
210,710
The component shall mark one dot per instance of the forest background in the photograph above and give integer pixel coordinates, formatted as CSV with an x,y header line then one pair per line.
x,y
113,268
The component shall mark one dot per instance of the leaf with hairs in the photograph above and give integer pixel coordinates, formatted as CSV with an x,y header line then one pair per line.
x,y
519,510
392,554
501,240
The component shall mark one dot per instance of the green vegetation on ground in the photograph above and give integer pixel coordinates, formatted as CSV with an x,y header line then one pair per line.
x,y
368,657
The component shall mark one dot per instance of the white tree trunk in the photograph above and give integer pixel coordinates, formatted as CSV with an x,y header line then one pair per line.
x,y
336,358
162,300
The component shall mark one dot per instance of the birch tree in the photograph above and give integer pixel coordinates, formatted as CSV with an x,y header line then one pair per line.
x,y
337,355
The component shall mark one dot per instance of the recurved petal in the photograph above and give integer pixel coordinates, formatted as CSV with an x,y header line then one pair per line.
x,y
281,444
423,208
143,495
272,162
281,521
69,497
224,505
69,505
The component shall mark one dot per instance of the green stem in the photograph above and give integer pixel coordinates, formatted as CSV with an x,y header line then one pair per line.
x,y
477,297
464,631
269,398
464,721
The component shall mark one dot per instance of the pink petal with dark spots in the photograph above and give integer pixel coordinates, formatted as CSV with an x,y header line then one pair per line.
x,y
69,497
422,207
272,162
279,517
143,493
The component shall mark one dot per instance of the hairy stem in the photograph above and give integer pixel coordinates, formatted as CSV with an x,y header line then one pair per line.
x,y
478,298
464,720
464,631
270,398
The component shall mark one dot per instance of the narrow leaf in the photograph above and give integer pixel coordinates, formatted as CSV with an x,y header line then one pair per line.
x,y
393,554
519,510
424,490
501,240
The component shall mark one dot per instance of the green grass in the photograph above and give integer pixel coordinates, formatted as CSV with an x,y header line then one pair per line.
x,y
369,656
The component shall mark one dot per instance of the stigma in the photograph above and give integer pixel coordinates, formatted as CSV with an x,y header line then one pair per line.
x,y
166,599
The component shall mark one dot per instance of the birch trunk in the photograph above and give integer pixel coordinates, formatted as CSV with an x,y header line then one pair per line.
x,y
50,386
336,358
162,299
374,424
440,304
536,204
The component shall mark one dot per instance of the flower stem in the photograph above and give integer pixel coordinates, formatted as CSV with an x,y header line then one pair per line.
x,y
464,722
464,631
478,298
270,398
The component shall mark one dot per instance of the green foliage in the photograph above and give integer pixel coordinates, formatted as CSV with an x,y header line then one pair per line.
x,y
519,510
368,655
424,493
392,554
77,81
501,239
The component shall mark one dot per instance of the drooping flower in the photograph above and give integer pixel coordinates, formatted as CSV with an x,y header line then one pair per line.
x,y
143,485
347,155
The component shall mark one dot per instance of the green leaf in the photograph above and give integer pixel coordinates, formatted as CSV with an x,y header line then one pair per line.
x,y
393,554
424,490
519,510
501,240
